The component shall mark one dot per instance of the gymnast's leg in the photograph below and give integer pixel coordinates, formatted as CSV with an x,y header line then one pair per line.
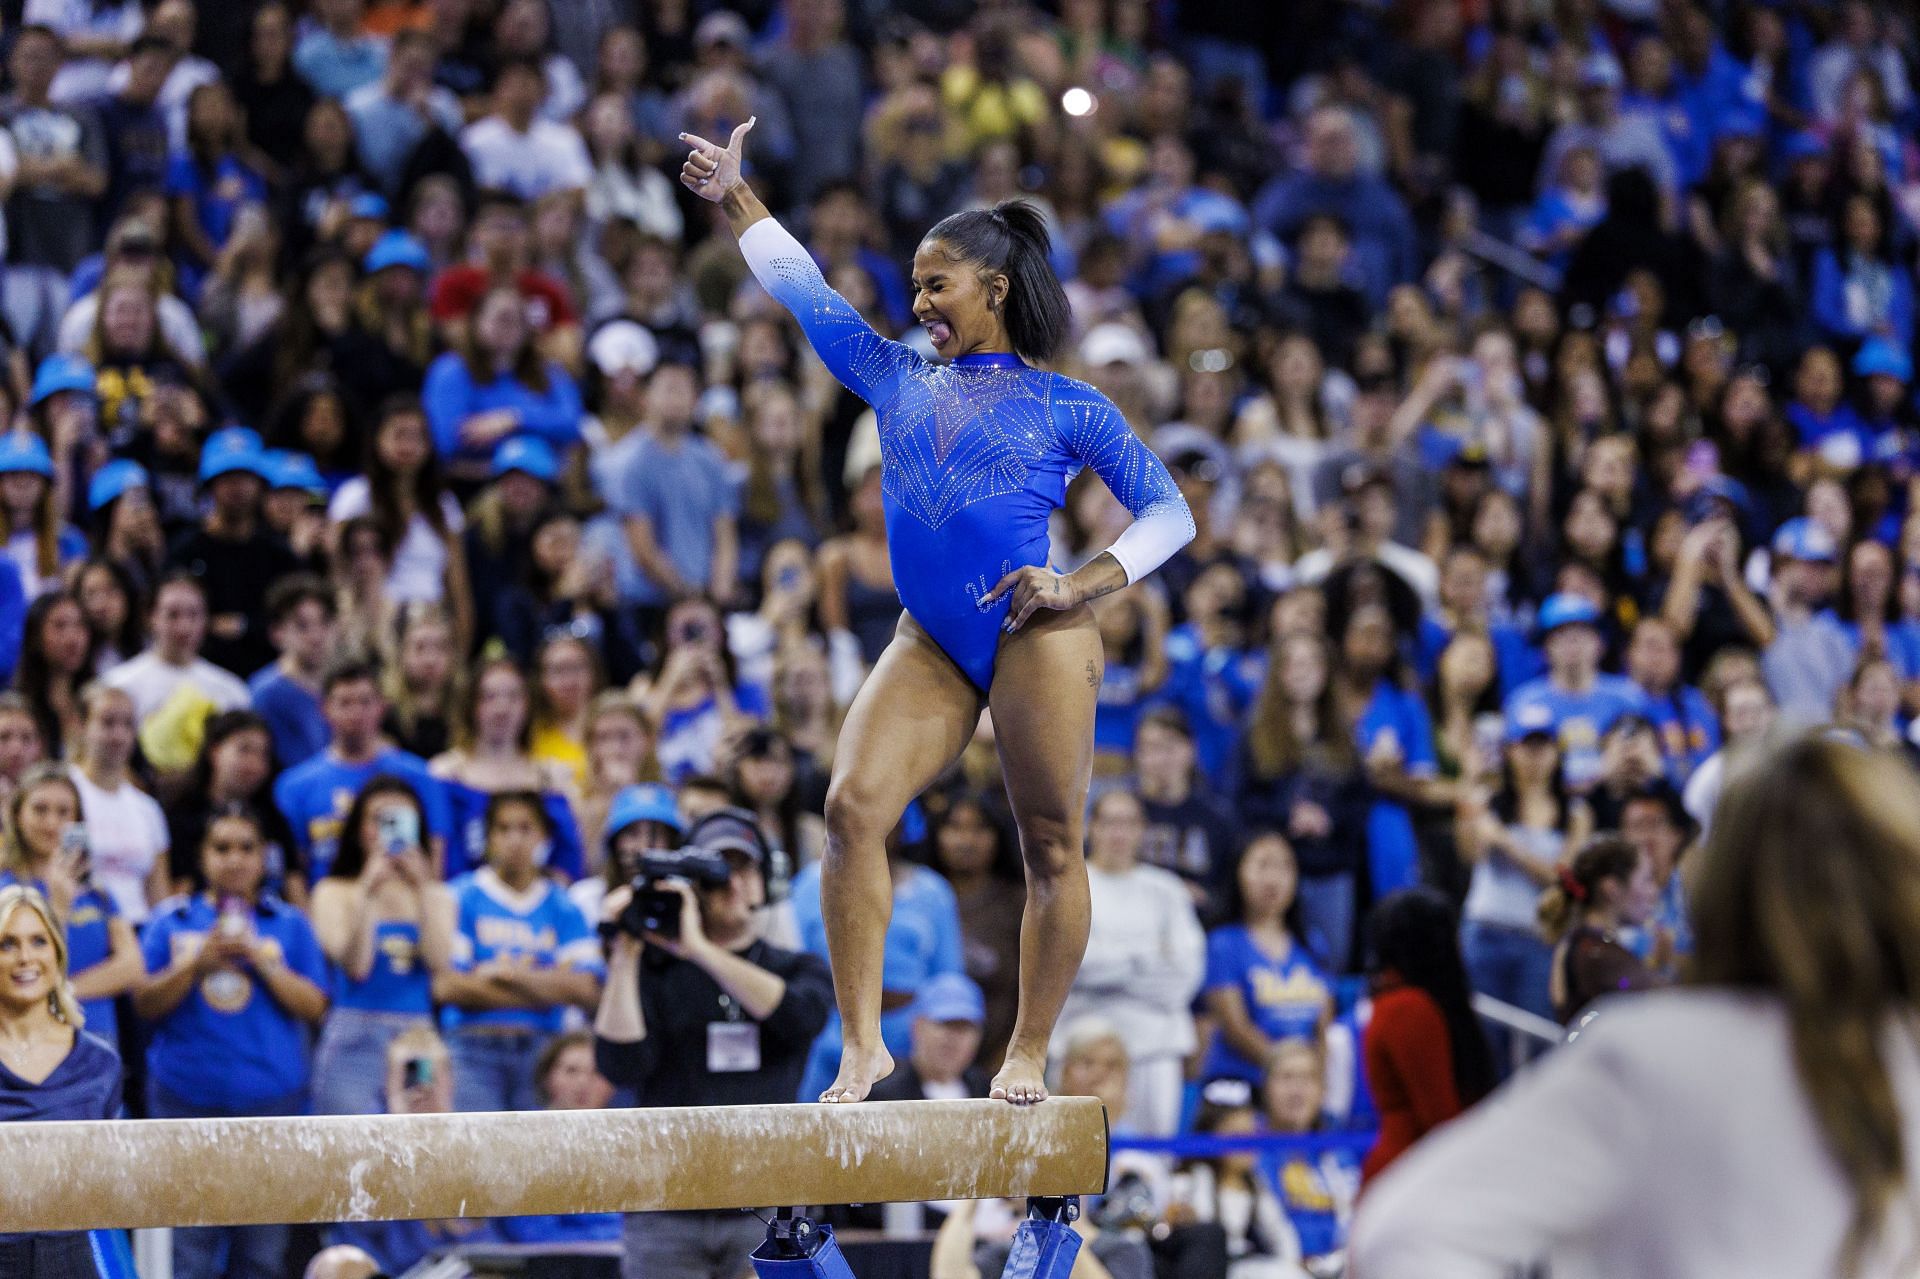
x,y
1046,681
912,718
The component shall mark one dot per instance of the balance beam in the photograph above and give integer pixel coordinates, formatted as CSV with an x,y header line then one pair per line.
x,y
232,1172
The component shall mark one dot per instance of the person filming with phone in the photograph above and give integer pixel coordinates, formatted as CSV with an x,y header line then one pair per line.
x,y
387,924
700,1010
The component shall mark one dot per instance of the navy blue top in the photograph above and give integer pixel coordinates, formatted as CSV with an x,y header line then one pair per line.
x,y
86,1085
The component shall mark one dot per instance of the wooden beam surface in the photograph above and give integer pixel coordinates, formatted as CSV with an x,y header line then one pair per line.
x,y
219,1172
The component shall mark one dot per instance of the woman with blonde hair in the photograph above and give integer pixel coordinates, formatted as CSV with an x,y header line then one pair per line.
x,y
50,1068
1760,1120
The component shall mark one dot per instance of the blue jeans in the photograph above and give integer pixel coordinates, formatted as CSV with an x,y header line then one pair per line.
x,y
1514,965
226,1252
350,1061
495,1072
1326,917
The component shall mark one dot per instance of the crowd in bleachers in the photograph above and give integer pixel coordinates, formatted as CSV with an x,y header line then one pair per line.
x,y
401,469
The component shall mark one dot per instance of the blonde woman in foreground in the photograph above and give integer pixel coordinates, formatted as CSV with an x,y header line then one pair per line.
x,y
1760,1120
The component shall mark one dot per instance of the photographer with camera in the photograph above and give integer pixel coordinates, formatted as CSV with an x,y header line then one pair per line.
x,y
700,1010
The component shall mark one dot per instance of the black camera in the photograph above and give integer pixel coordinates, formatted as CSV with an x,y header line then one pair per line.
x,y
655,908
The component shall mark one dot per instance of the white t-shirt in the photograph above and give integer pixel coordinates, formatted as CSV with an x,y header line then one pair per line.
x,y
150,682
128,836
419,571
547,157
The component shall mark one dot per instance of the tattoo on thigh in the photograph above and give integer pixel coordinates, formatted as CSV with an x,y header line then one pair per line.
x,y
1093,675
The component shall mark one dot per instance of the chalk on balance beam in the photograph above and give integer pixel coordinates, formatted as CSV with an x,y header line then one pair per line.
x,y
229,1172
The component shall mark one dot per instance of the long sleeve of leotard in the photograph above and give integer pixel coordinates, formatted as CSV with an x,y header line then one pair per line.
x,y
1099,437
867,364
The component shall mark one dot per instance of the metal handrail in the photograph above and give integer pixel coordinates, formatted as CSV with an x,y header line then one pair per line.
x,y
1530,1031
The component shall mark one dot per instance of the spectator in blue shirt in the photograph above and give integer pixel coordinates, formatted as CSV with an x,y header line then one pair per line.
x,y
62,1073
386,922
300,622
522,955
103,956
1581,702
497,388
210,185
315,797
1394,735
680,505
1860,289
1569,208
415,1077
1330,181
235,980
1263,986
1679,713
335,57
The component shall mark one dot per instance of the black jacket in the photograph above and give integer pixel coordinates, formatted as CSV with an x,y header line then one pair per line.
x,y
678,1001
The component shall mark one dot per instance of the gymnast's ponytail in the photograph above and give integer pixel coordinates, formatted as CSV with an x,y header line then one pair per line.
x,y
1011,238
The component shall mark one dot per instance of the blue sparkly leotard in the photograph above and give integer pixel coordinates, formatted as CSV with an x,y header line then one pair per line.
x,y
975,457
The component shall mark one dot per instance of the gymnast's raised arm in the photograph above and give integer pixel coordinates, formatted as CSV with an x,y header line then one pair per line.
x,y
866,363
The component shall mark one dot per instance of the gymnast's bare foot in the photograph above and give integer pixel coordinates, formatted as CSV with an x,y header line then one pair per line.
x,y
860,1070
1022,1079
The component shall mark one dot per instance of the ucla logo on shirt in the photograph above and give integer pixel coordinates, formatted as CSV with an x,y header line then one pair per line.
x,y
498,933
1297,986
1303,1189
400,953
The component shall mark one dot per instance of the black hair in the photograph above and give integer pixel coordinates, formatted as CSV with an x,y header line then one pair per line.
x,y
1414,935
528,799
132,634
218,729
349,670
289,593
1011,237
1234,910
1006,864
350,857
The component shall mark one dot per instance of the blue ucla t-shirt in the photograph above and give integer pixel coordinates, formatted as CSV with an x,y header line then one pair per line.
x,y
229,1018
1316,1193
467,850
316,796
1687,727
398,982
1285,995
1580,720
89,943
538,924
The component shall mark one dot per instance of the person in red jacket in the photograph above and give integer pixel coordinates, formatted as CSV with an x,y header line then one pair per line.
x,y
1427,1058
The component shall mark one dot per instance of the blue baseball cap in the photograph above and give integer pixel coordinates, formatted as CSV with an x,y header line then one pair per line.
x,y
286,469
525,453
111,482
25,451
1567,609
647,802
1532,719
59,373
1806,540
1877,357
368,205
231,450
397,248
951,997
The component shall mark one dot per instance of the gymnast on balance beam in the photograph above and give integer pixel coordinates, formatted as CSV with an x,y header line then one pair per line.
x,y
976,454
